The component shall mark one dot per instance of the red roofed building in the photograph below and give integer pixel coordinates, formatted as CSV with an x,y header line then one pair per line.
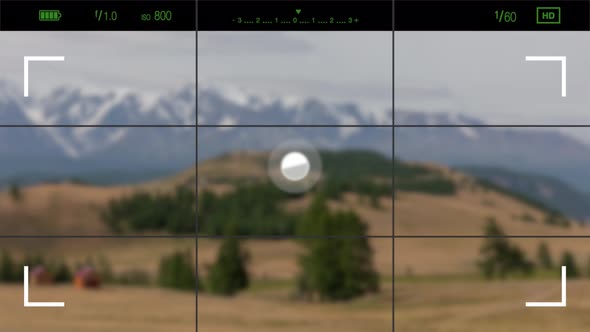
x,y
40,276
87,277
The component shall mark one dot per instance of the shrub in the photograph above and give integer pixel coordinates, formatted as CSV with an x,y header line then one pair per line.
x,y
499,256
15,192
544,256
177,271
336,268
61,272
8,268
228,275
568,260
556,219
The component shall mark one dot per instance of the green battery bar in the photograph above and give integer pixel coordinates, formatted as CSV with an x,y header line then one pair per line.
x,y
49,15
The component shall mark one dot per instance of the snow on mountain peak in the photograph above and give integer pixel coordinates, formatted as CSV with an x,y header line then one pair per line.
x,y
253,108
93,107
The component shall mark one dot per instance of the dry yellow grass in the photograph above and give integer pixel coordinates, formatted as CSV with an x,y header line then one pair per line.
x,y
466,214
278,259
128,309
74,209
378,220
437,287
466,306
139,309
275,311
57,209
122,253
62,208
111,309
235,166
438,256
265,307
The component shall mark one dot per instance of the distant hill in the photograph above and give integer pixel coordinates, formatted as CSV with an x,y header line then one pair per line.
x,y
546,189
74,207
423,219
438,180
456,140
421,178
342,164
431,199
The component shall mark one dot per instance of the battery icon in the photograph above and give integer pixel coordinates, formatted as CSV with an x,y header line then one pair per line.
x,y
49,15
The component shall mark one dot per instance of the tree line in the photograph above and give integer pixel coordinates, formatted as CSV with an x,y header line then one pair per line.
x,y
337,263
500,258
171,212
175,270
253,209
419,178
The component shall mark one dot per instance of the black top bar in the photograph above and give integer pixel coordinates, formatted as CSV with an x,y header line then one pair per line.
x,y
306,15
514,15
120,15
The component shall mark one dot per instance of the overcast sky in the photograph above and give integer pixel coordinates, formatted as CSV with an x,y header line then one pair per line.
x,y
340,66
150,61
484,74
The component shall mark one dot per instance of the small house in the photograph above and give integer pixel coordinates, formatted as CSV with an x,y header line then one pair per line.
x,y
39,275
87,277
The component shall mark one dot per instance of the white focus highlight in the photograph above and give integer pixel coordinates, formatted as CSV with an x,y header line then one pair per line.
x,y
27,59
562,59
295,166
563,302
28,304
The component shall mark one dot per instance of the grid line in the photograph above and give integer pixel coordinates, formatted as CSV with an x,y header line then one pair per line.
x,y
196,167
450,236
188,126
295,237
295,126
490,126
199,236
292,126
96,126
393,170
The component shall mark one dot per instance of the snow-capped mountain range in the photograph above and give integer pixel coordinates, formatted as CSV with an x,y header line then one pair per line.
x,y
230,105
68,148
